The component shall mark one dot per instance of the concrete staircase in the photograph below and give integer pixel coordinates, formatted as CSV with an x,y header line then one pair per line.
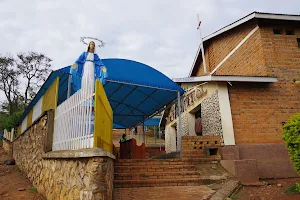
x,y
159,172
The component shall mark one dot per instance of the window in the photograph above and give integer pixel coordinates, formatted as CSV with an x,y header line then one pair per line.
x,y
289,32
298,40
277,31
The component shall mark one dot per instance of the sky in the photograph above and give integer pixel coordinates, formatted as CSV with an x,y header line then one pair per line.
x,y
160,33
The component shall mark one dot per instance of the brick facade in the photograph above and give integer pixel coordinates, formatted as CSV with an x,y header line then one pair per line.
x,y
258,109
247,61
194,146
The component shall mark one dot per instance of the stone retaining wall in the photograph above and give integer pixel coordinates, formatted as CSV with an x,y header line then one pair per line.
x,y
76,177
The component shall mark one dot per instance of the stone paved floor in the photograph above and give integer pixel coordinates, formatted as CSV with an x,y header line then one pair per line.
x,y
163,193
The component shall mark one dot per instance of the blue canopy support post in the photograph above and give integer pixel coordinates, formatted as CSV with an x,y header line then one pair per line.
x,y
159,133
69,86
179,122
144,131
154,134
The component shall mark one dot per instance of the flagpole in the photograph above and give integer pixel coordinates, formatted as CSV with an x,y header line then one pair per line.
x,y
202,48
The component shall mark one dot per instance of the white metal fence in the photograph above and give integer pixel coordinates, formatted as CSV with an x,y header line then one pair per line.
x,y
156,140
9,135
74,122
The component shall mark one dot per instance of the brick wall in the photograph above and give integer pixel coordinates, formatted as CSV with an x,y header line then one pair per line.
x,y
259,109
154,151
246,61
194,146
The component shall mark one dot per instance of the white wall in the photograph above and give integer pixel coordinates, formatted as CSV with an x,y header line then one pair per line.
x,y
37,109
24,124
225,110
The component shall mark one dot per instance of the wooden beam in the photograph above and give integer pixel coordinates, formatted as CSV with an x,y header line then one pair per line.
x,y
50,129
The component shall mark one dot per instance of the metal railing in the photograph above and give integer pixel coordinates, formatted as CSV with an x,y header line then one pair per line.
x,y
73,124
84,120
155,140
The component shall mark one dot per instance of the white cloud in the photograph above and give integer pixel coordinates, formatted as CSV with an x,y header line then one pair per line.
x,y
161,34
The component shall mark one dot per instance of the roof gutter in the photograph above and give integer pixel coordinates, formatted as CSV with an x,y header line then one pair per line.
x,y
226,78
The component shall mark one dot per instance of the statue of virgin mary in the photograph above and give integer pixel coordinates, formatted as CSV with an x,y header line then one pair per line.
x,y
87,68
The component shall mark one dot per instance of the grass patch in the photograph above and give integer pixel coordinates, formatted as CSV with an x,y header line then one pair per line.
x,y
292,190
33,189
1,142
235,196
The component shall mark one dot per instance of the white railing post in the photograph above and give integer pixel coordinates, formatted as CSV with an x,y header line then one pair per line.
x,y
5,133
12,134
72,124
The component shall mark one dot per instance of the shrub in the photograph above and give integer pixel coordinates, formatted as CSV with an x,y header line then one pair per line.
x,y
291,136
292,190
12,120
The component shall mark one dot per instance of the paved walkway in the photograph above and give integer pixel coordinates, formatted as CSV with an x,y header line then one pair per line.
x,y
163,193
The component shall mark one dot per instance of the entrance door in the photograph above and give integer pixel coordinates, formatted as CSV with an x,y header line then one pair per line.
x,y
198,123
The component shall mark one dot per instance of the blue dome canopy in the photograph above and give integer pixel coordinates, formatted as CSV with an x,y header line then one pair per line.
x,y
135,91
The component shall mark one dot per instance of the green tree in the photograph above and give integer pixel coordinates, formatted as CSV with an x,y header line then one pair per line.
x,y
291,136
34,68
30,68
12,120
3,117
9,82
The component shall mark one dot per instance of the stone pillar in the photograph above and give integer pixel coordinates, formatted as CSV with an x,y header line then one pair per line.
x,y
191,124
170,139
173,138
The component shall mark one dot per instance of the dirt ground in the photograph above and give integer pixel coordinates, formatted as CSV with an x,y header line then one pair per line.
x,y
12,180
270,191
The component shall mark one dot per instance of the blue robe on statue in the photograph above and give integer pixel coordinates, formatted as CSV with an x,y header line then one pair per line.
x,y
77,71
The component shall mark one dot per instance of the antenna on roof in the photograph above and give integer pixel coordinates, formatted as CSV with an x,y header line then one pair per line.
x,y
201,45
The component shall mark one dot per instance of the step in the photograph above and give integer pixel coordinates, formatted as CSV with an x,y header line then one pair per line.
x,y
186,160
166,163
197,161
156,175
161,182
196,152
149,162
153,168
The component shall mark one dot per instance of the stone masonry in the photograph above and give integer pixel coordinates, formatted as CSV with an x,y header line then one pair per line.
x,y
65,178
211,116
